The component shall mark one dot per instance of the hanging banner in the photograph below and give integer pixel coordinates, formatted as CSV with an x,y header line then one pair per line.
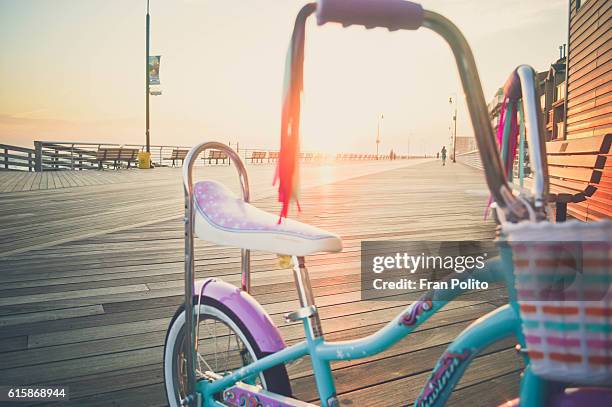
x,y
154,69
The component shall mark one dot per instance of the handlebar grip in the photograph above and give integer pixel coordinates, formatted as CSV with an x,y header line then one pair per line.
x,y
391,14
512,87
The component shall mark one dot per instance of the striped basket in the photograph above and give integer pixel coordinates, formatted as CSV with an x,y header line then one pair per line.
x,y
563,281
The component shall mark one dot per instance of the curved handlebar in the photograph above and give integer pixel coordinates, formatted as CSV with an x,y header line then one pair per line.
x,y
479,113
391,14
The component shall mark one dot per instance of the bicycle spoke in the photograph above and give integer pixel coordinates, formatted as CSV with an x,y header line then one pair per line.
x,y
215,335
227,351
200,357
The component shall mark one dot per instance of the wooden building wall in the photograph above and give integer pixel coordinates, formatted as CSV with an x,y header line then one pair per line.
x,y
590,69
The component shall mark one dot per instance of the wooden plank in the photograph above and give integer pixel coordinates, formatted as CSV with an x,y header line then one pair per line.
x,y
578,160
575,173
600,144
404,391
604,121
602,91
594,113
594,59
493,392
405,365
594,32
597,22
565,185
595,101
151,396
71,367
587,83
600,55
600,85
52,315
115,354
70,294
586,13
589,75
601,204
11,344
421,339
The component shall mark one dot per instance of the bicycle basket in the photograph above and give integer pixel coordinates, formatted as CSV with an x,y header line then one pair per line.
x,y
562,278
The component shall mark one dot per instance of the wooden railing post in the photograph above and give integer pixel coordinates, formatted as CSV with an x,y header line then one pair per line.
x,y
6,158
29,162
38,164
229,160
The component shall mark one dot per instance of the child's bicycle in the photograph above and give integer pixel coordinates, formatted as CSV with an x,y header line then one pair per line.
x,y
233,355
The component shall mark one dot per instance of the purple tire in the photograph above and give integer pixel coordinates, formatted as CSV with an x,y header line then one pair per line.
x,y
228,329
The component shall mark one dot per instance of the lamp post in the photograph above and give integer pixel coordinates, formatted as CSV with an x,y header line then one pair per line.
x,y
378,134
451,100
147,89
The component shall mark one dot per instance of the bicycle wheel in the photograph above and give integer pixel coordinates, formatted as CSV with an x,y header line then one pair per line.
x,y
224,345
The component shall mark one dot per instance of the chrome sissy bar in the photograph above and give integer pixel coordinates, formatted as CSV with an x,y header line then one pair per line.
x,y
190,160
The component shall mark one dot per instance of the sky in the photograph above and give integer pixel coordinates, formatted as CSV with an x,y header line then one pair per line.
x,y
74,70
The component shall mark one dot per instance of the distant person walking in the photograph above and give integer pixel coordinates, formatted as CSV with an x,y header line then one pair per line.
x,y
443,154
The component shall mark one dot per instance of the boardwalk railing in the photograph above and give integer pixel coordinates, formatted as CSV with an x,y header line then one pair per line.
x,y
520,168
65,155
471,159
61,155
16,158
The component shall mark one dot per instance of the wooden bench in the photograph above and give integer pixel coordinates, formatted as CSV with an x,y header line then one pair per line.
x,y
177,154
272,155
116,155
580,176
258,156
216,155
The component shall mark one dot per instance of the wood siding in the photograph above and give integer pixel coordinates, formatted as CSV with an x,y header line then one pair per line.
x,y
590,69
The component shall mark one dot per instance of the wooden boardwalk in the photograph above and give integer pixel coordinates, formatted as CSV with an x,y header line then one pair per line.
x,y
90,275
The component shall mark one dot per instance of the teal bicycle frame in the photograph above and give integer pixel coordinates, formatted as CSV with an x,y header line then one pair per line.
x,y
502,323
491,328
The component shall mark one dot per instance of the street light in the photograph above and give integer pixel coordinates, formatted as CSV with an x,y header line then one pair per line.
x,y
450,100
378,134
147,89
